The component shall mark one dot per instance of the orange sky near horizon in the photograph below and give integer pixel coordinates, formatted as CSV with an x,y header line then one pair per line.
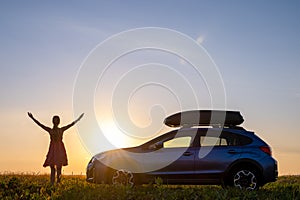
x,y
26,153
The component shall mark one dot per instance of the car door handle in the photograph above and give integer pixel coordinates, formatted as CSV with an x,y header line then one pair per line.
x,y
187,153
231,151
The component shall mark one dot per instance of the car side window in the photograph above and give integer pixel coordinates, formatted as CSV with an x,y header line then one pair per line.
x,y
178,142
236,140
213,141
223,139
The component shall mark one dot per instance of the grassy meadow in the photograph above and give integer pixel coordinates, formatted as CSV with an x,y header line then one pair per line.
x,y
22,186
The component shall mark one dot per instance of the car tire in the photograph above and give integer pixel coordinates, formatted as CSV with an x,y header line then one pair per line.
x,y
244,178
122,177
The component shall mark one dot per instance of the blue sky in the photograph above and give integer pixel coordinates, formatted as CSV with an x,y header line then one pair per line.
x,y
255,45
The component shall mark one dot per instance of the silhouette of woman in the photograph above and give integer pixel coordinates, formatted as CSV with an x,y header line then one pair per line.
x,y
56,156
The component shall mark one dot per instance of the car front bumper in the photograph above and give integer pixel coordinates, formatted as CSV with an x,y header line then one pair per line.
x,y
97,172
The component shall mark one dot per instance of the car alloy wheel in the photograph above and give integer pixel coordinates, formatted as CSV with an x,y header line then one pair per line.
x,y
245,179
122,177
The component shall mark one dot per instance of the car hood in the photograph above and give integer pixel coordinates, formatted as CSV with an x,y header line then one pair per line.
x,y
137,160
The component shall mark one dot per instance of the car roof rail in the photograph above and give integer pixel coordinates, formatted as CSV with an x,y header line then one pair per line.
x,y
218,126
236,127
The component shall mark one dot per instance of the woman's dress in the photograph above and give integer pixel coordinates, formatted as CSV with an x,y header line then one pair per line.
x,y
56,155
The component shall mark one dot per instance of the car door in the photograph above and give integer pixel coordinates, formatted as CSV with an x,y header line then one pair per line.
x,y
177,156
215,154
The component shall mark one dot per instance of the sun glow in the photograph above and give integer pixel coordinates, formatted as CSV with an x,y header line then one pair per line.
x,y
117,137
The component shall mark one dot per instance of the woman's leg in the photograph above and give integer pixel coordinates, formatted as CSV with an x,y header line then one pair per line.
x,y
52,175
58,173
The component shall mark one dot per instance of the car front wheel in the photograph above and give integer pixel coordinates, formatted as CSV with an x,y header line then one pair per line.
x,y
122,177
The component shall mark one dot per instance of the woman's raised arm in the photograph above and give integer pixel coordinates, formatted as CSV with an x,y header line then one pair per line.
x,y
73,123
38,123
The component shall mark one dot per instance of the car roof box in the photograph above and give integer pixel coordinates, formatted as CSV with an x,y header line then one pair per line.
x,y
204,118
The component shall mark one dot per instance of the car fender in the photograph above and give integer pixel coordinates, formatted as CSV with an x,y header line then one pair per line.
x,y
242,162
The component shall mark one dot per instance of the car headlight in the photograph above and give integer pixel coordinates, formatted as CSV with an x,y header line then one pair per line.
x,y
100,156
92,160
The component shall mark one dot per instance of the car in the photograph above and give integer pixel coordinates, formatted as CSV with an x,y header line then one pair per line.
x,y
225,155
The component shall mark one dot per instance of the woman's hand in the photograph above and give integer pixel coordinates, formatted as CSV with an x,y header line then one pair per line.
x,y
30,115
79,118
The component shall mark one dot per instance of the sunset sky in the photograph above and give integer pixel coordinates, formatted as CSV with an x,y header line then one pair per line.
x,y
255,46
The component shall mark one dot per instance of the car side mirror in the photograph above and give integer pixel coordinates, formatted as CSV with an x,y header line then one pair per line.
x,y
157,145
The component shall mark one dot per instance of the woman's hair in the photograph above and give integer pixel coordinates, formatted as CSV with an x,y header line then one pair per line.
x,y
55,120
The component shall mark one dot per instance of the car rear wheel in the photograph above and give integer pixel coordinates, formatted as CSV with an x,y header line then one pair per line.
x,y
122,177
244,178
